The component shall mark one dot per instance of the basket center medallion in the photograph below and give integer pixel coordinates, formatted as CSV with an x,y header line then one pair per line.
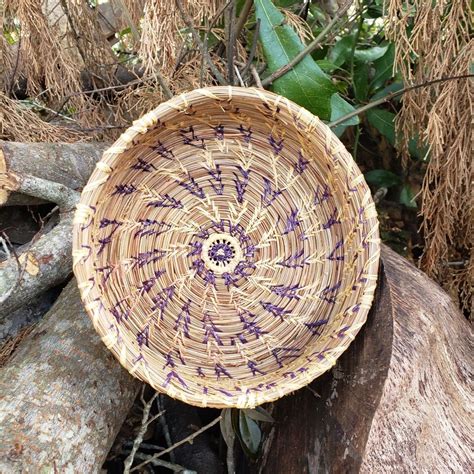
x,y
222,252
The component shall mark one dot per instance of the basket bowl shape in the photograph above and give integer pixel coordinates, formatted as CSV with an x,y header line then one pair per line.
x,y
226,247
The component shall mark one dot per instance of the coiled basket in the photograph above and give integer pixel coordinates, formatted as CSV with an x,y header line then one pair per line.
x,y
226,247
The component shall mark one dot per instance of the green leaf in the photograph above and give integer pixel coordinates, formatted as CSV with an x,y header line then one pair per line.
x,y
383,121
382,178
259,414
339,108
306,84
250,434
326,66
383,68
342,50
393,87
361,81
226,427
370,54
407,198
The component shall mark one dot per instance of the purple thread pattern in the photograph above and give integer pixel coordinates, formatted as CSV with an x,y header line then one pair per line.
x,y
329,293
142,165
216,175
241,182
192,187
277,145
210,330
283,353
162,299
166,201
190,138
184,319
301,164
321,194
269,195
124,189
315,327
297,260
333,256
250,326
292,222
145,258
151,227
286,291
163,151
219,369
246,132
275,310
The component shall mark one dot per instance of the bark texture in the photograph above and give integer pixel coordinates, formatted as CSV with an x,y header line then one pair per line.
x,y
63,163
398,399
63,395
46,263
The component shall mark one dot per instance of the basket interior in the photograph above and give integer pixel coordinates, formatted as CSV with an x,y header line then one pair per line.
x,y
226,248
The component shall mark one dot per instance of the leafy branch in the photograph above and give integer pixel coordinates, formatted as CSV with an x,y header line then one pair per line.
x,y
393,95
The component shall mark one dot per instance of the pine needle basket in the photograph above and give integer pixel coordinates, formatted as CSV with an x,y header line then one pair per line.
x,y
226,247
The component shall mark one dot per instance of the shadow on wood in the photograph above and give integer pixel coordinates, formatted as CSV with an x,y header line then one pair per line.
x,y
398,399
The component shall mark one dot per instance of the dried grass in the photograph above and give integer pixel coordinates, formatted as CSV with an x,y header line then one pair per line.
x,y
18,123
440,116
162,31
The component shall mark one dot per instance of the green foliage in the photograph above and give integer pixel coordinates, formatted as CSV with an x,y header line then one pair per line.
x,y
306,84
382,178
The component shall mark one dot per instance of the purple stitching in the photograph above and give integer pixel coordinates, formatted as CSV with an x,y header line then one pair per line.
x,y
288,291
166,201
124,189
292,260
275,310
313,327
143,165
163,151
210,329
192,187
269,195
302,164
241,186
292,222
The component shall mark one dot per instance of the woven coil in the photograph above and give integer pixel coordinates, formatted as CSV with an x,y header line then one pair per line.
x,y
226,247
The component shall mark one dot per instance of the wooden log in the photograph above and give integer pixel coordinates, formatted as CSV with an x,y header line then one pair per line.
x,y
64,396
69,164
398,399
46,262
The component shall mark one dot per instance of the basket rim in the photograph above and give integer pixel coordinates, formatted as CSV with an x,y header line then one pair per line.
x,y
107,165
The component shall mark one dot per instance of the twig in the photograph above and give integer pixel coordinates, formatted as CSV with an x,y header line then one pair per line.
x,y
165,428
253,48
230,461
243,17
188,439
141,432
189,23
239,77
309,49
164,85
392,95
256,77
66,198
231,38
160,463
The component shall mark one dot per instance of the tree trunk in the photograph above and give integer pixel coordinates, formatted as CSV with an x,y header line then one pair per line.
x,y
398,399
64,396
